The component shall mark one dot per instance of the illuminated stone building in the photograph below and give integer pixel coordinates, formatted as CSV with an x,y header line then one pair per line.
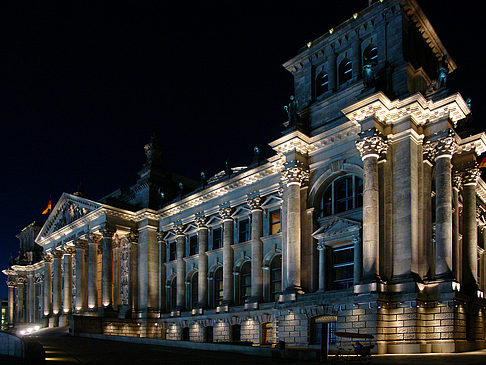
x,y
369,215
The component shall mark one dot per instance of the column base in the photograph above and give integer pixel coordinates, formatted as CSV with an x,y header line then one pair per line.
x,y
293,290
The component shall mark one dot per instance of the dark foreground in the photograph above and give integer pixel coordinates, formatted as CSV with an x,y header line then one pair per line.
x,y
64,349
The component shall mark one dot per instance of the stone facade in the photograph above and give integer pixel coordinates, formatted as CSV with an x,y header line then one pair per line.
x,y
369,216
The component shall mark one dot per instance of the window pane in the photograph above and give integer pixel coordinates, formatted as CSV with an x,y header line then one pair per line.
x,y
244,230
217,241
275,222
192,245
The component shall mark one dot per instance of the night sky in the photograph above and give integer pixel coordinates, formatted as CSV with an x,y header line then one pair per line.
x,y
83,87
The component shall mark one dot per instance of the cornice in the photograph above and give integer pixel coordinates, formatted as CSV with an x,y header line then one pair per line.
x,y
419,109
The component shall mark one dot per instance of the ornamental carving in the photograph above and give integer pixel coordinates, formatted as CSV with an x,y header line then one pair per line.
x,y
374,144
471,175
179,230
446,145
428,151
225,213
160,236
81,244
11,283
21,280
58,253
69,212
321,245
457,180
38,278
133,236
107,232
48,258
255,203
297,175
124,271
201,221
69,250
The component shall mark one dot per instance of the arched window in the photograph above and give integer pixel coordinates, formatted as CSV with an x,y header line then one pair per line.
x,y
275,277
218,286
322,83
345,71
173,293
370,55
343,194
245,281
194,290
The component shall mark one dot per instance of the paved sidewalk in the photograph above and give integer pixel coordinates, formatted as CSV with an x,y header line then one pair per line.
x,y
63,349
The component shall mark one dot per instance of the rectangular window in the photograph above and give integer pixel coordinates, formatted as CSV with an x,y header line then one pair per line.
x,y
217,238
193,245
244,232
172,251
275,221
343,267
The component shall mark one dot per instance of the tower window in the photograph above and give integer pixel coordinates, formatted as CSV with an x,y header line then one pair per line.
x,y
345,71
370,55
322,83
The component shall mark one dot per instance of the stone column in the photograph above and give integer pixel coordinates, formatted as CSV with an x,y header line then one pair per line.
x,y
20,299
370,148
321,247
48,285
456,243
68,280
202,276
148,268
163,271
107,267
469,230
443,206
116,272
81,277
358,260
56,284
228,282
293,177
181,267
256,248
92,274
11,283
30,306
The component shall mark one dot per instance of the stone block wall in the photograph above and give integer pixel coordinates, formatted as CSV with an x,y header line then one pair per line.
x,y
196,332
221,332
174,332
123,328
293,328
250,331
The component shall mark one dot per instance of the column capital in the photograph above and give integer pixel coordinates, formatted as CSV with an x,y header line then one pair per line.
x,y
255,203
179,230
21,280
225,213
81,244
133,236
160,237
201,221
11,283
457,180
39,278
48,258
107,232
69,250
371,144
470,175
321,245
295,175
58,253
446,146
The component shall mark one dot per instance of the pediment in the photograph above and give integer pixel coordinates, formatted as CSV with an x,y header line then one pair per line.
x,y
271,200
336,226
68,209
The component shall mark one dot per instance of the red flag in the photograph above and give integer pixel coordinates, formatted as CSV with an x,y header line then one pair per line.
x,y
483,163
46,211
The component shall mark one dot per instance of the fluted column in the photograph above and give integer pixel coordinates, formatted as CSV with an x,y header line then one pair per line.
x,y
68,280
11,304
56,283
293,177
107,267
370,148
48,285
443,206
20,299
225,214
469,230
163,271
202,277
30,297
256,248
456,244
81,277
181,267
92,274
321,247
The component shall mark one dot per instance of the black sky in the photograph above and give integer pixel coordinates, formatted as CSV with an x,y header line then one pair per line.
x,y
82,88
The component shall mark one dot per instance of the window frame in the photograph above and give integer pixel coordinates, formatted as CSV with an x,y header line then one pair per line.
x,y
356,197
272,224
191,240
247,232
